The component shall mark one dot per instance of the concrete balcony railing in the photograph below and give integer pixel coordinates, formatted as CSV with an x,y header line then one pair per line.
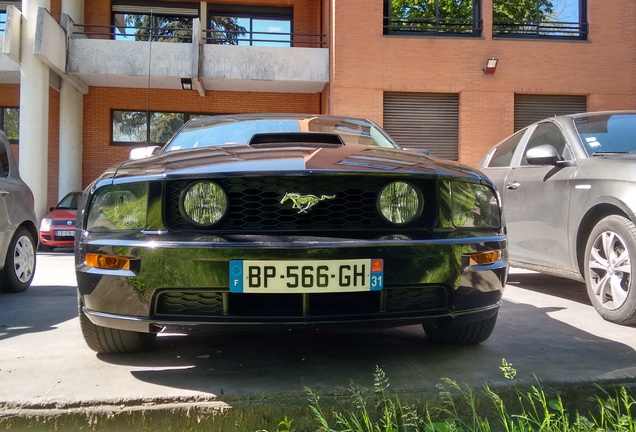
x,y
90,56
100,61
9,69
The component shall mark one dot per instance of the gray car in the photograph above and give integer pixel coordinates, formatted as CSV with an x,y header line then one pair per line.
x,y
568,187
18,229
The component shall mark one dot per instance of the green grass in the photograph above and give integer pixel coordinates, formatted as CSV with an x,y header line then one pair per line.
x,y
460,408
456,407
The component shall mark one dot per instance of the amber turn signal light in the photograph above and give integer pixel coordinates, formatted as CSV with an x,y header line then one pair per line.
x,y
484,258
107,262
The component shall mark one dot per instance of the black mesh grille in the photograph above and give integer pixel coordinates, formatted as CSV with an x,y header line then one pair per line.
x,y
255,204
193,302
206,303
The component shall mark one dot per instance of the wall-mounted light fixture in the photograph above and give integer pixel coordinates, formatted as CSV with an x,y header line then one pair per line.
x,y
491,66
186,83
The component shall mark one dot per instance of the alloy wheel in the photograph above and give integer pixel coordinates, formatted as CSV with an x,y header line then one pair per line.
x,y
610,270
24,259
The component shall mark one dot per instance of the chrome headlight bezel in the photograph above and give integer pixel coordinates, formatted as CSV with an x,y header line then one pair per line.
x,y
204,203
393,203
119,207
474,205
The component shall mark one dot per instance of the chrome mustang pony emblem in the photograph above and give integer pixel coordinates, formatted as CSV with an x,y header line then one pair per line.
x,y
302,203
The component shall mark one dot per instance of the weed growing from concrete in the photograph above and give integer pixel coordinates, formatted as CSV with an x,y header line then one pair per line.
x,y
461,409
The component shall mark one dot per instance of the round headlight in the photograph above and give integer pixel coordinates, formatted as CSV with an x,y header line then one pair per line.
x,y
204,203
400,203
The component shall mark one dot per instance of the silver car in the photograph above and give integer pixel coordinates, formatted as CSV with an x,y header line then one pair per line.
x,y
568,187
18,229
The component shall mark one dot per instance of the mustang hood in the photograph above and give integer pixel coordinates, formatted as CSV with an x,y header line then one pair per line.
x,y
244,159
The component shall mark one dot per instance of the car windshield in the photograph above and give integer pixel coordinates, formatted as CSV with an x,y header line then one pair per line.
x,y
222,130
608,133
69,202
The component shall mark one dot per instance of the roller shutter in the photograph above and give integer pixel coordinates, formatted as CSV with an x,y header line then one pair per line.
x,y
424,120
532,108
157,8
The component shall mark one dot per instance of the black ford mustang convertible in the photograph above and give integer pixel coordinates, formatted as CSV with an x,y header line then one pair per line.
x,y
287,220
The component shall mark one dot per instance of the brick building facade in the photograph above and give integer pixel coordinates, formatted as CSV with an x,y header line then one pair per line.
x,y
427,87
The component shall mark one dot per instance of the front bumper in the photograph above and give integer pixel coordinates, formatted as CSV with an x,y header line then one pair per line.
x,y
177,283
52,239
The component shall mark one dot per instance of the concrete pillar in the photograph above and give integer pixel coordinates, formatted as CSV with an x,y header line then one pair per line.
x,y
71,120
34,109
71,127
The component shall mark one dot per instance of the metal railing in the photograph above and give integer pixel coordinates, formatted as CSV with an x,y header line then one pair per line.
x,y
540,29
184,35
229,37
432,26
162,34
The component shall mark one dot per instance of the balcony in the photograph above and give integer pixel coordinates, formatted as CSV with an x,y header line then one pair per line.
x,y
160,58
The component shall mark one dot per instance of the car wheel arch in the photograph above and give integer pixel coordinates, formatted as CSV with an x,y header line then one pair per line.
x,y
16,276
591,218
32,230
609,282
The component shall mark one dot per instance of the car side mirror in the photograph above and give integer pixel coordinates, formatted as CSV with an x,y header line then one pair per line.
x,y
144,152
543,155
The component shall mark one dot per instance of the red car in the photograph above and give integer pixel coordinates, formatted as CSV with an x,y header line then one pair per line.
x,y
57,228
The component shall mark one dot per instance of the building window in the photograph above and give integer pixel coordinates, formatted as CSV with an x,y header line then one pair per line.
x,y
143,22
253,26
3,21
432,17
4,6
540,19
10,123
146,128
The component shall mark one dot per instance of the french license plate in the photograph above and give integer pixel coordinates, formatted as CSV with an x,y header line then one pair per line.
x,y
65,233
275,277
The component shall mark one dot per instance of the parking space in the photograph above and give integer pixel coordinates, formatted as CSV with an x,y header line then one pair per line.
x,y
547,328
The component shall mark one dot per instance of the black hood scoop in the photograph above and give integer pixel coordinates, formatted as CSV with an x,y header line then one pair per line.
x,y
296,139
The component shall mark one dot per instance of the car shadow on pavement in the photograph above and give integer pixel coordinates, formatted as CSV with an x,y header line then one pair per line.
x,y
39,309
551,285
273,362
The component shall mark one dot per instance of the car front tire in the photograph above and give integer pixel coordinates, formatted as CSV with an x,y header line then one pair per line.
x,y
114,341
464,334
610,266
19,265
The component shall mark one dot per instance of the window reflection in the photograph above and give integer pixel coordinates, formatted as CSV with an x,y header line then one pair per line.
x,y
10,123
141,127
251,27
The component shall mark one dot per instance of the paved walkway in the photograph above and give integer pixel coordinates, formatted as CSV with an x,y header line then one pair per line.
x,y
546,328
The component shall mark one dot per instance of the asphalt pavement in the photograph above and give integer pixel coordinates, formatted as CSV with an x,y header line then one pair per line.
x,y
547,330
